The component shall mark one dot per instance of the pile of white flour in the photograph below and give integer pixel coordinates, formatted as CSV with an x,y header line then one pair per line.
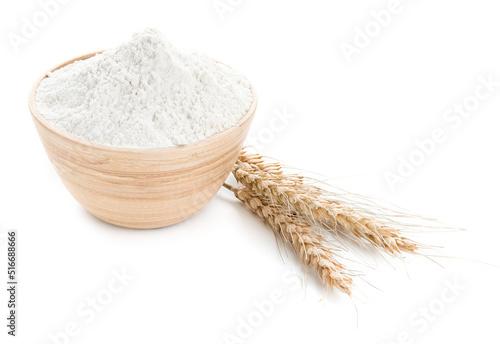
x,y
144,94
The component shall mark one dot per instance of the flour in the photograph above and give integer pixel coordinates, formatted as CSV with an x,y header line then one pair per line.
x,y
144,94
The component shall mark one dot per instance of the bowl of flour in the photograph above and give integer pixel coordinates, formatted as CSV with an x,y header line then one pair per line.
x,y
145,134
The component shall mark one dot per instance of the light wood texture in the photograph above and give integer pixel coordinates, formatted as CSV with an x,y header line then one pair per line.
x,y
141,188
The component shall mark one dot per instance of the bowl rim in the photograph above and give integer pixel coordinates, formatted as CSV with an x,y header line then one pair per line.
x,y
51,127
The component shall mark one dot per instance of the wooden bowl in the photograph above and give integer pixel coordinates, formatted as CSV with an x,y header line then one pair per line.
x,y
141,188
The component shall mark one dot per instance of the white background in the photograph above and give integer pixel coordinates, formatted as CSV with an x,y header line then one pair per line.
x,y
353,121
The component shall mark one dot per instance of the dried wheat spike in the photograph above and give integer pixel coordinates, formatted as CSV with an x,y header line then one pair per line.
x,y
309,202
273,168
310,247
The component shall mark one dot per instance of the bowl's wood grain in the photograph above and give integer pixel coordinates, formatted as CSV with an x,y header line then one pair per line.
x,y
141,188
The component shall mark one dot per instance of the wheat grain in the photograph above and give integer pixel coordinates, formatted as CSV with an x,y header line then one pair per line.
x,y
308,201
309,246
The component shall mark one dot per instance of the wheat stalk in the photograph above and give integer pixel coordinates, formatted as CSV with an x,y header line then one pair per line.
x,y
268,180
309,246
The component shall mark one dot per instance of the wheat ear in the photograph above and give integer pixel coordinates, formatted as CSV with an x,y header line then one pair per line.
x,y
309,246
308,201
